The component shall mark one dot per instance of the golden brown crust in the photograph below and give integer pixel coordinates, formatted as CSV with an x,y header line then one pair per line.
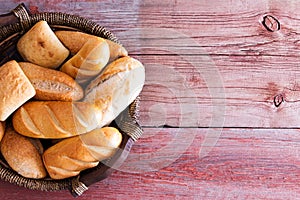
x,y
52,84
77,73
21,155
55,119
116,51
120,65
89,61
70,156
75,40
2,130
117,87
15,90
41,46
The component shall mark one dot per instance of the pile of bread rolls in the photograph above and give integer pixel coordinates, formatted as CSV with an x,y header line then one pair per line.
x,y
56,105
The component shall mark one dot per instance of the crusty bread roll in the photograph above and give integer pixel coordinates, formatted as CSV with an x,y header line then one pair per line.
x,y
116,88
51,84
22,155
15,90
70,156
55,119
2,130
75,40
41,46
89,61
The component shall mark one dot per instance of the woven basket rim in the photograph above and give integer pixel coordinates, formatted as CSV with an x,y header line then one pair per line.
x,y
59,19
56,20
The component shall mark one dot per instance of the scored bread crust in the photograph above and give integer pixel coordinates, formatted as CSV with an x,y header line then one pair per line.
x,y
70,156
120,65
74,41
89,61
55,119
52,84
116,88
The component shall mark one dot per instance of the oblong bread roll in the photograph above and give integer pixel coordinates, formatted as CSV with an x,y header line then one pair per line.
x,y
70,156
51,84
89,61
75,40
22,154
78,73
40,46
55,119
116,88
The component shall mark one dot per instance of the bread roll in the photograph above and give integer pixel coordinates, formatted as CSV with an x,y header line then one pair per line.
x,y
41,46
70,156
2,130
15,90
89,61
51,84
22,155
55,119
75,40
116,88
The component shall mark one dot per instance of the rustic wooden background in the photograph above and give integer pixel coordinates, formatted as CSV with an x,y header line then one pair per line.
x,y
220,107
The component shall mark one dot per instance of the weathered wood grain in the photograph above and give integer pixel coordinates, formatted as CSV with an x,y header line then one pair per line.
x,y
233,28
244,86
244,164
208,63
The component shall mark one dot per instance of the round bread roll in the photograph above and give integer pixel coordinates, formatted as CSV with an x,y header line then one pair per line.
x,y
41,46
23,155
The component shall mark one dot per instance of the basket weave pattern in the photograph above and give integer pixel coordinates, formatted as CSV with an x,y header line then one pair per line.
x,y
126,121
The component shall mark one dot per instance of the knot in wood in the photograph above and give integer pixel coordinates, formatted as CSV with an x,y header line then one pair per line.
x,y
278,100
271,23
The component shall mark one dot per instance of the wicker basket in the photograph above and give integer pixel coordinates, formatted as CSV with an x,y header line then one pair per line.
x,y
12,26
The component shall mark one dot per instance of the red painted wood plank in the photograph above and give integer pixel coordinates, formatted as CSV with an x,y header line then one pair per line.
x,y
244,163
241,88
217,28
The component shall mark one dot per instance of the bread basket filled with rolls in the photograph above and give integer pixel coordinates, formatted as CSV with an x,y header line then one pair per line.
x,y
68,101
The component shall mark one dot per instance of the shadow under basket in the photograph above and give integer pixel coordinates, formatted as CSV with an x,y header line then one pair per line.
x,y
12,26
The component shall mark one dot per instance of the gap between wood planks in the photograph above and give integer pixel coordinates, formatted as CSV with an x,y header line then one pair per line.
x,y
214,54
225,127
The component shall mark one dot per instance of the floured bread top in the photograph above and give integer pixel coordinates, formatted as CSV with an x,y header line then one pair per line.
x,y
41,46
16,89
116,88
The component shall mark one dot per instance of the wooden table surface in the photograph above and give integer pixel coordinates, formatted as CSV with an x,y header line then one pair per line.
x,y
220,107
